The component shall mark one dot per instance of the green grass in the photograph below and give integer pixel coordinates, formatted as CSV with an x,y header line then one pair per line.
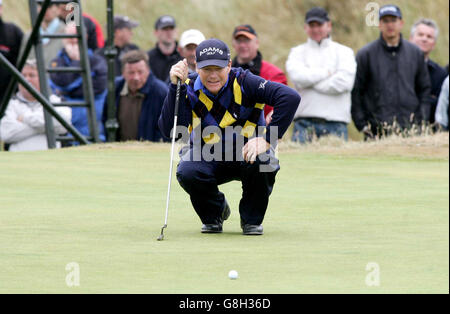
x,y
329,216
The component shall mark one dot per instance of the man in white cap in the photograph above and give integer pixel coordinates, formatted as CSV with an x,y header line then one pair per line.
x,y
189,41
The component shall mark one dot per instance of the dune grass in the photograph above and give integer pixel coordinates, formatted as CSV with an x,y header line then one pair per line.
x,y
278,23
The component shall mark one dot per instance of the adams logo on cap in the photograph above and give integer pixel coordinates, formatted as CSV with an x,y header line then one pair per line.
x,y
211,51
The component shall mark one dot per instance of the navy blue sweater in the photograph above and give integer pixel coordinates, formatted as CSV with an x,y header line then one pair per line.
x,y
284,99
71,84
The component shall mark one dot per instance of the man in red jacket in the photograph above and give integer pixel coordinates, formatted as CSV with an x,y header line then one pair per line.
x,y
248,57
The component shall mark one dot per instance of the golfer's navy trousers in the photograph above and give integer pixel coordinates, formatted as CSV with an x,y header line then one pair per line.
x,y
200,179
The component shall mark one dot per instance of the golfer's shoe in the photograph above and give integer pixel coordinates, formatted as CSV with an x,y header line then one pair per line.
x,y
226,211
252,229
217,227
212,228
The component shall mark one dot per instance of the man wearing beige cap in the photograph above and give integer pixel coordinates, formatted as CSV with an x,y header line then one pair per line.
x,y
189,41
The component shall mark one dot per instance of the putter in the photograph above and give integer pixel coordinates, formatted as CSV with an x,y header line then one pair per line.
x,y
177,101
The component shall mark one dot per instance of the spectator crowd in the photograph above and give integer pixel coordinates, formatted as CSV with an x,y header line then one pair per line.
x,y
390,85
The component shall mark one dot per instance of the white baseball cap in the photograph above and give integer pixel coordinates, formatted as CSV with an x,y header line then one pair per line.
x,y
192,36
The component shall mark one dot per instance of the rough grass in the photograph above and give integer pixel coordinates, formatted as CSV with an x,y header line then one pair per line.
x,y
435,146
422,147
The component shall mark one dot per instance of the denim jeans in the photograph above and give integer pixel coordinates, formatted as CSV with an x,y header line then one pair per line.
x,y
306,128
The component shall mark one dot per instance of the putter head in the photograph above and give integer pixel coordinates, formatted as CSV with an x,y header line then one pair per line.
x,y
161,236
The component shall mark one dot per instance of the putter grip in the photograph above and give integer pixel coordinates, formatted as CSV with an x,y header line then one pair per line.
x,y
177,97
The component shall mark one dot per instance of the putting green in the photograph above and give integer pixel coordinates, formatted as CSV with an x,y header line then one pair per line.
x,y
328,218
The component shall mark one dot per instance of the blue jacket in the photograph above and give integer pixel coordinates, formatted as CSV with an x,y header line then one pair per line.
x,y
155,92
70,87
70,84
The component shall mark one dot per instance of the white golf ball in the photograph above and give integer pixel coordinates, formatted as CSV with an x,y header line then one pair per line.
x,y
233,274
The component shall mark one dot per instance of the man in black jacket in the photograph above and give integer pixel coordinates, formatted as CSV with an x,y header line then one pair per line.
x,y
123,35
165,54
10,40
392,82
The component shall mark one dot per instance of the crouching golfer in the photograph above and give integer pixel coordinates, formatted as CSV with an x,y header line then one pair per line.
x,y
222,110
